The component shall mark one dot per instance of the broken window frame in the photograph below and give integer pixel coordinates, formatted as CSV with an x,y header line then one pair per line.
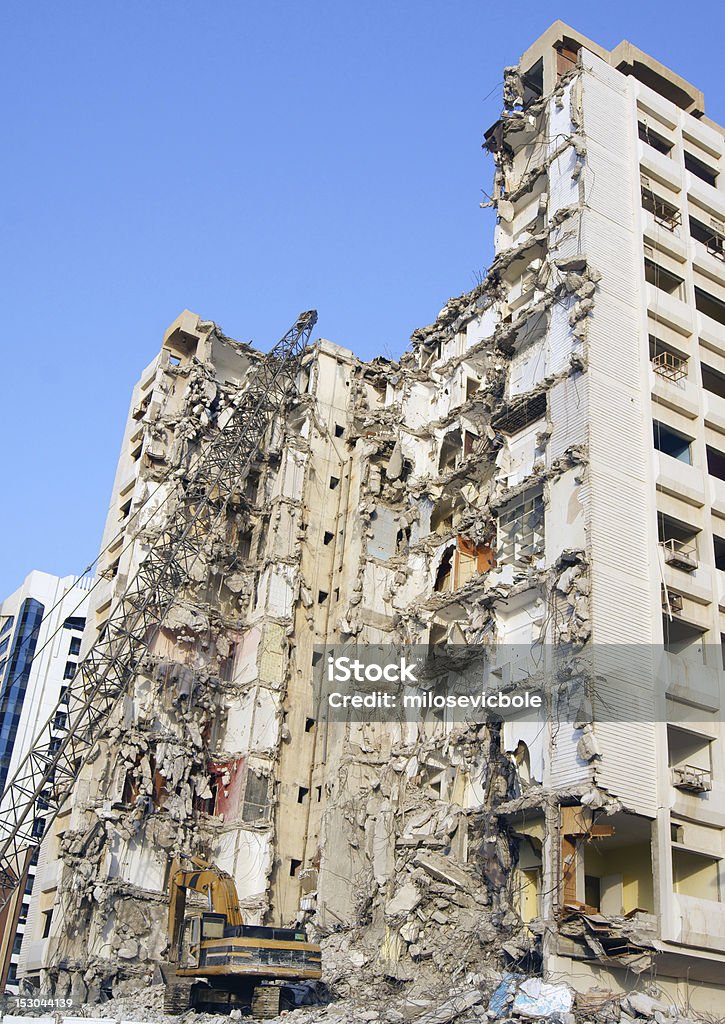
x,y
254,810
521,528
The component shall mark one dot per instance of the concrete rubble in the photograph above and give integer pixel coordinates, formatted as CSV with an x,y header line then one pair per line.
x,y
495,997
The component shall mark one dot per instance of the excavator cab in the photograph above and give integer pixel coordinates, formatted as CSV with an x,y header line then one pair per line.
x,y
197,928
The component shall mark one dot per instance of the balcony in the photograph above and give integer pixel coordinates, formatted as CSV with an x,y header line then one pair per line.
x,y
717,495
680,480
714,411
707,197
691,778
669,309
659,167
701,922
674,392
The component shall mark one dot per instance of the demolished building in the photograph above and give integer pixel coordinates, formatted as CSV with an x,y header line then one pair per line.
x,y
542,467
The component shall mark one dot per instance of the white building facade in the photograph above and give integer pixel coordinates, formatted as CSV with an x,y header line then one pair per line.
x,y
41,625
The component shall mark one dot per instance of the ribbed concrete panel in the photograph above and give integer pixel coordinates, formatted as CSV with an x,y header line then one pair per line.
x,y
619,428
560,341
566,769
564,190
569,414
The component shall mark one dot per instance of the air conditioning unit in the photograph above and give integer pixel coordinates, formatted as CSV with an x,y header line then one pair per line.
x,y
644,181
717,225
694,780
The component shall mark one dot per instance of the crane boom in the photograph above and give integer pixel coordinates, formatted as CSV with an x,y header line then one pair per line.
x,y
46,775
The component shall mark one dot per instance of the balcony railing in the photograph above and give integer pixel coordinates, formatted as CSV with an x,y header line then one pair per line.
x,y
682,554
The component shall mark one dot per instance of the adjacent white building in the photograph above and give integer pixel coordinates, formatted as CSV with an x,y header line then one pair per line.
x,y
41,625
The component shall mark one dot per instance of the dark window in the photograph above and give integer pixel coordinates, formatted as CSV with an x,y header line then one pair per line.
x,y
245,545
63,698
17,943
709,305
302,792
309,724
670,442
533,81
251,487
710,238
75,645
6,625
712,380
327,538
662,279
339,430
719,548
334,481
47,918
316,657
715,463
700,169
294,867
654,139
76,622
319,793
322,596
70,669
61,720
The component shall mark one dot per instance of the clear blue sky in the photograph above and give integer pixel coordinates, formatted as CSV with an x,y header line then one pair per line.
x,y
246,159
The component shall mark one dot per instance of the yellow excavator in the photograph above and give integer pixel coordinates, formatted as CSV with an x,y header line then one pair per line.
x,y
217,962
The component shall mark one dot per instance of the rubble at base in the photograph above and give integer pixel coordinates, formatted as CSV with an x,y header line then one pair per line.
x,y
492,996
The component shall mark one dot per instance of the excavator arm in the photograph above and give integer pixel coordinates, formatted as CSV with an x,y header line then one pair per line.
x,y
204,877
